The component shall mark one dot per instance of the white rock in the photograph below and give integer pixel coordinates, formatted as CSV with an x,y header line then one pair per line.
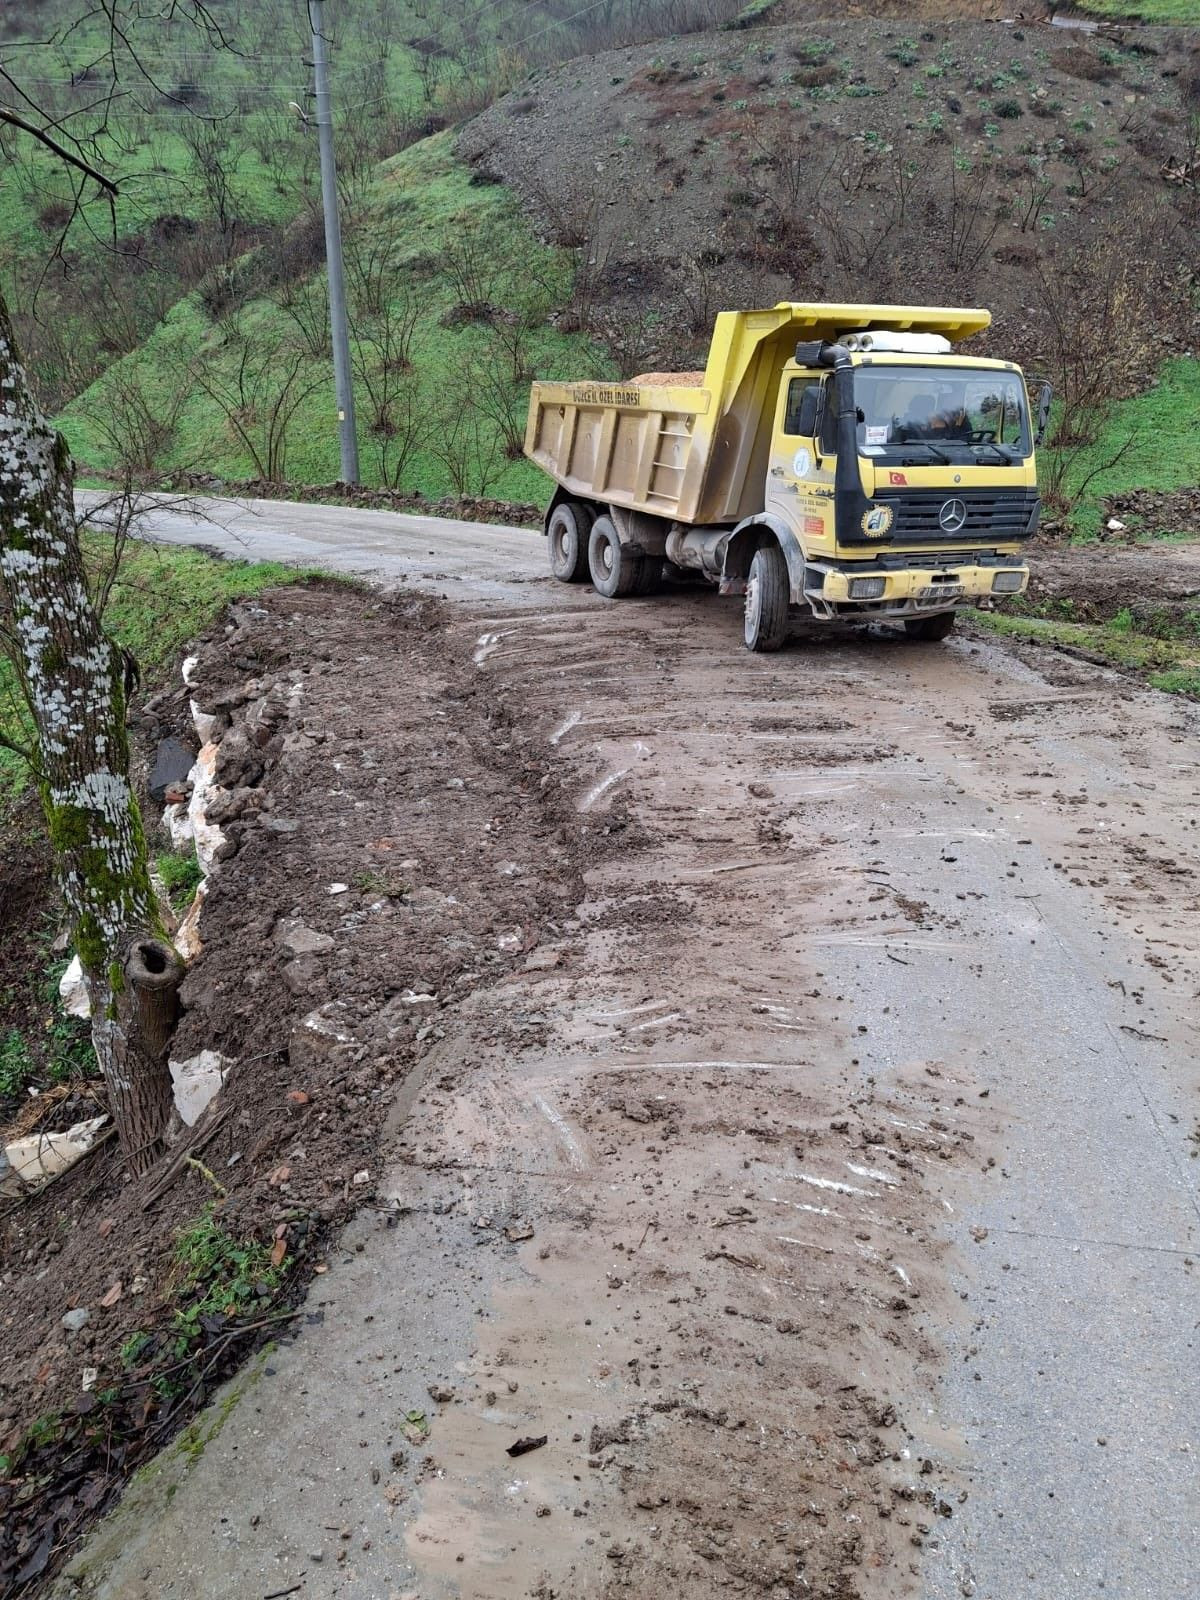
x,y
89,1379
187,934
1115,525
205,789
178,823
338,888
75,1321
204,724
72,990
188,670
196,1082
41,1156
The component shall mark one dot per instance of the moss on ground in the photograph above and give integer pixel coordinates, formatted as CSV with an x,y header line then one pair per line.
x,y
1169,664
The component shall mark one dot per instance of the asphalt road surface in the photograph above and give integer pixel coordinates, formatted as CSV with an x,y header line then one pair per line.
x,y
953,885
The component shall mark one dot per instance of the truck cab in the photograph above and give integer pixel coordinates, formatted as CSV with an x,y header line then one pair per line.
x,y
942,488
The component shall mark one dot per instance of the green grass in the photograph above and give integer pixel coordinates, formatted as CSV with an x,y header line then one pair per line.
x,y
16,1064
63,1053
1164,453
1163,11
181,875
217,1275
424,202
1172,665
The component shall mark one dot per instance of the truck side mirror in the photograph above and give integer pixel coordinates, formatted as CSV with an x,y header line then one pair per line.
x,y
1045,396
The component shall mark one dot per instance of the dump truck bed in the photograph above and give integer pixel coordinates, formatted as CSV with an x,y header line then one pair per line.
x,y
697,453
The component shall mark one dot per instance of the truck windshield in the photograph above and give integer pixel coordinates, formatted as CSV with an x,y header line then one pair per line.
x,y
959,414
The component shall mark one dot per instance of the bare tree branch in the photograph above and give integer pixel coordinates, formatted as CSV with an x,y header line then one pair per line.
x,y
52,144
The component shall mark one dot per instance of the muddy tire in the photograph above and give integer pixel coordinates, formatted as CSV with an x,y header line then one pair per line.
x,y
651,576
930,628
767,595
616,568
567,535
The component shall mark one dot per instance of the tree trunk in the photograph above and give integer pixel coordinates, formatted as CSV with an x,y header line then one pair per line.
x,y
72,680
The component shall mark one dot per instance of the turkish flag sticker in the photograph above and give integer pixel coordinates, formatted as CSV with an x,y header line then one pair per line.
x,y
897,478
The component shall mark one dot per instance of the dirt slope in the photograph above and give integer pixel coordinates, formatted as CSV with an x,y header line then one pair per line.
x,y
861,158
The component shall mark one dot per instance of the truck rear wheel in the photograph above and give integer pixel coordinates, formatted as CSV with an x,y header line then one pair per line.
x,y
931,628
767,595
567,531
616,568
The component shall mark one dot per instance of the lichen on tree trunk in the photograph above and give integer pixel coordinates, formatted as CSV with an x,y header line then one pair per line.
x,y
72,680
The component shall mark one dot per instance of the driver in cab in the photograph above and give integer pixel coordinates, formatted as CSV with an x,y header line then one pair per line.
x,y
933,417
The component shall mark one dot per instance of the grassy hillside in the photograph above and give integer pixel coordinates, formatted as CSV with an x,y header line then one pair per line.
x,y
208,133
1148,442
455,306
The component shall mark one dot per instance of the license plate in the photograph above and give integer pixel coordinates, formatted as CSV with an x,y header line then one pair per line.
x,y
942,591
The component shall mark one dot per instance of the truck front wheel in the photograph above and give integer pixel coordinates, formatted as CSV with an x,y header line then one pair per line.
x,y
616,568
568,529
767,594
931,628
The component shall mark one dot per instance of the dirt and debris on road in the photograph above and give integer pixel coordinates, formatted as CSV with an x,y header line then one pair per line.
x,y
824,1097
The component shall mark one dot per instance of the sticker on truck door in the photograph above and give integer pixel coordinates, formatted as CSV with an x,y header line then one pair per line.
x,y
801,464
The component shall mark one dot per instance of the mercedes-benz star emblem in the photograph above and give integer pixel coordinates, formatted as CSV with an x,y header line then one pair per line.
x,y
952,516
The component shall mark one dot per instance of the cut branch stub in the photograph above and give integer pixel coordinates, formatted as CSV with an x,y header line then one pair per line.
x,y
154,972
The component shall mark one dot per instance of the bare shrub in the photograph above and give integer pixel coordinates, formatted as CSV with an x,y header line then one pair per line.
x,y
464,440
141,428
306,304
1097,306
381,352
258,388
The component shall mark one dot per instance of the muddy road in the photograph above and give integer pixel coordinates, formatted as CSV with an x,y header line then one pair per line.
x,y
821,1190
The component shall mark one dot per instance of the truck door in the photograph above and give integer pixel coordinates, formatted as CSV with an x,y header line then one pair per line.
x,y
800,477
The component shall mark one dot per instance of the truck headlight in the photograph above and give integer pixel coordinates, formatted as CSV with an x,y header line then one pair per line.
x,y
1008,582
867,588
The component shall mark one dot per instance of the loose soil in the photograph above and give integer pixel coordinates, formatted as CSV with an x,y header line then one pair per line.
x,y
1097,581
413,805
747,167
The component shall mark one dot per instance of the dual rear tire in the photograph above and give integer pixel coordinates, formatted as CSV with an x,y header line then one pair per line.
x,y
584,545
568,531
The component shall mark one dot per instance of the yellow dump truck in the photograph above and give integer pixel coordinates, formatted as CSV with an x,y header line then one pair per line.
x,y
832,462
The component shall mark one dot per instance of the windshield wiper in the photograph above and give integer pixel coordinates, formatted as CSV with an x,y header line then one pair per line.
x,y
1003,451
923,444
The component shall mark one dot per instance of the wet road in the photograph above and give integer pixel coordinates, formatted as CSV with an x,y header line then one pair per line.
x,y
953,864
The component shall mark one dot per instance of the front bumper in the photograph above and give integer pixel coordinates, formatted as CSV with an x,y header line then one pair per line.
x,y
907,591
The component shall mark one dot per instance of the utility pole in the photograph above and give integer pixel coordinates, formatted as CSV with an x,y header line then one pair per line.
x,y
343,383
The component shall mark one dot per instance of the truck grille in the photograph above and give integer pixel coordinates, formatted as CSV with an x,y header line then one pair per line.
x,y
989,514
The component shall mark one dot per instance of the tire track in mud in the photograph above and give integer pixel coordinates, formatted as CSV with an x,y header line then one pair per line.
x,y
823,926
720,1319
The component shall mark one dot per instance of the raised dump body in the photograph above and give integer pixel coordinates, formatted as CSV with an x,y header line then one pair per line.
x,y
834,462
699,454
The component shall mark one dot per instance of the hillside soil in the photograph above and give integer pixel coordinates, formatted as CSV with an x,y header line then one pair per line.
x,y
720,1219
910,159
